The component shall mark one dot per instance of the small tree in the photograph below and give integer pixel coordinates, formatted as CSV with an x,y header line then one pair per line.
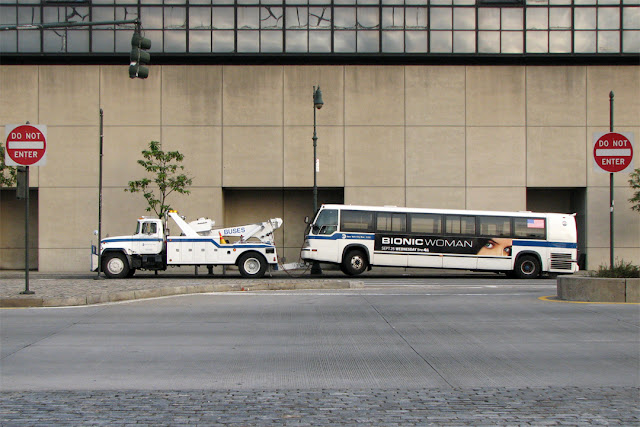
x,y
167,177
7,173
634,182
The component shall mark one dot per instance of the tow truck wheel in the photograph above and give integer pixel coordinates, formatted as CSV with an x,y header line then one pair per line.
x,y
116,266
252,265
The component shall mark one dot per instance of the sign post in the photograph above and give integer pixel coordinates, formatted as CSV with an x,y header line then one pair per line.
x,y
612,152
26,145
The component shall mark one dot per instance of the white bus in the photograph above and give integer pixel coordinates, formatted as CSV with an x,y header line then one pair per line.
x,y
522,244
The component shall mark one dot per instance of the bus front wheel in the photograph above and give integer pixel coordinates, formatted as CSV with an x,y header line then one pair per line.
x,y
354,263
527,267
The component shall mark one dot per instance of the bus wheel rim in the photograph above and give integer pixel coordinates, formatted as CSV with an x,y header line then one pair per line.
x,y
528,267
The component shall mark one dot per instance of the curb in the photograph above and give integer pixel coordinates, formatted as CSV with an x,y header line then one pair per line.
x,y
106,297
599,289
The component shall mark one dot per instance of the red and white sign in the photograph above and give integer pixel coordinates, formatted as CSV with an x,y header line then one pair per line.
x,y
26,145
613,152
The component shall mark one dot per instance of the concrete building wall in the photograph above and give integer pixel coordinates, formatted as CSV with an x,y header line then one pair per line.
x,y
474,137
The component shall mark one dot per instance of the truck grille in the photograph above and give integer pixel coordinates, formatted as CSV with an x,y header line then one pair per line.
x,y
561,261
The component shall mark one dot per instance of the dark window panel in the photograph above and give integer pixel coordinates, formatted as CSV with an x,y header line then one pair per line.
x,y
271,18
368,41
393,41
222,41
631,41
271,41
319,41
9,41
200,41
297,41
103,41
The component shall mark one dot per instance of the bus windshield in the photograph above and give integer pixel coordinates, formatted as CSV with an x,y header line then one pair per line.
x,y
326,222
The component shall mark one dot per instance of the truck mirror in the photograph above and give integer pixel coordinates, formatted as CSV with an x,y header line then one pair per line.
x,y
306,220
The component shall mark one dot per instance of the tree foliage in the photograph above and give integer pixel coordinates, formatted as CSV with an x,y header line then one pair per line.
x,y
7,173
634,182
167,177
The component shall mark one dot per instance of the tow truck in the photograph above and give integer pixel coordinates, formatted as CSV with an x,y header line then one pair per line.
x,y
250,247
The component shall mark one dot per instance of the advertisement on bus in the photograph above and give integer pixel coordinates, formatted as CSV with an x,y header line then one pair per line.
x,y
497,246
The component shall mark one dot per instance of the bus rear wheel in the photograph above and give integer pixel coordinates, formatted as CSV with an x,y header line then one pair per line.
x,y
354,263
527,267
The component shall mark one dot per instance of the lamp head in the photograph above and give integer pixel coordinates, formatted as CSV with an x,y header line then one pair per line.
x,y
317,98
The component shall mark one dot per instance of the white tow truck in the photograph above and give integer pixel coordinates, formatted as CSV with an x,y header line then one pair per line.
x,y
199,244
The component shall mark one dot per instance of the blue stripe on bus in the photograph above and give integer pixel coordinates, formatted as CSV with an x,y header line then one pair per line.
x,y
174,239
340,236
225,245
543,244
130,240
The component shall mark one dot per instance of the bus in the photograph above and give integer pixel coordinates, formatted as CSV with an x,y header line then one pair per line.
x,y
520,244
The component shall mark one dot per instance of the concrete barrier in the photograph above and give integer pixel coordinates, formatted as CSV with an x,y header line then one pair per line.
x,y
598,289
633,290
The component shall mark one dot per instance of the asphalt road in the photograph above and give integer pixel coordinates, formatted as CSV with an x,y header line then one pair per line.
x,y
400,351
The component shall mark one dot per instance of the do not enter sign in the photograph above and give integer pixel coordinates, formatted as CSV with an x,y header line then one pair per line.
x,y
613,152
26,145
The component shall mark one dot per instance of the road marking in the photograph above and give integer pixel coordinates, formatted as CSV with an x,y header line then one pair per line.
x,y
263,293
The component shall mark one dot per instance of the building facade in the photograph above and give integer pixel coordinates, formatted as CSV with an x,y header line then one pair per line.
x,y
445,104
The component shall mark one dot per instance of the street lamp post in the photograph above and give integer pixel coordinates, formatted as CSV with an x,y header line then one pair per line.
x,y
317,104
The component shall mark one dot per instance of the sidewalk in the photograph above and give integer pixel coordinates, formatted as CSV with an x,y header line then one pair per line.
x,y
69,289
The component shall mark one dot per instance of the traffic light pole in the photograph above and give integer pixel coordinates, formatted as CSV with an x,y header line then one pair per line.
x,y
67,24
139,58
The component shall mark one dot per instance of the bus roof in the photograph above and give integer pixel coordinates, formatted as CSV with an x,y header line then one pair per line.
x,y
441,211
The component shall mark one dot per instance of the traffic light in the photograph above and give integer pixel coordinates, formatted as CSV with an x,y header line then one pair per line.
x,y
139,57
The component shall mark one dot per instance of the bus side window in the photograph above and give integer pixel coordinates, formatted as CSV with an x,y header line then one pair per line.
x,y
457,224
495,226
426,223
387,221
529,228
357,221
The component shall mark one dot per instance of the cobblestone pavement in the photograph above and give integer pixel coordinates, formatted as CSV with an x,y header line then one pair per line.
x,y
483,406
54,290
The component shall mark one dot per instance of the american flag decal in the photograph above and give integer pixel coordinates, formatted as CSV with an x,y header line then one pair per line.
x,y
535,223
